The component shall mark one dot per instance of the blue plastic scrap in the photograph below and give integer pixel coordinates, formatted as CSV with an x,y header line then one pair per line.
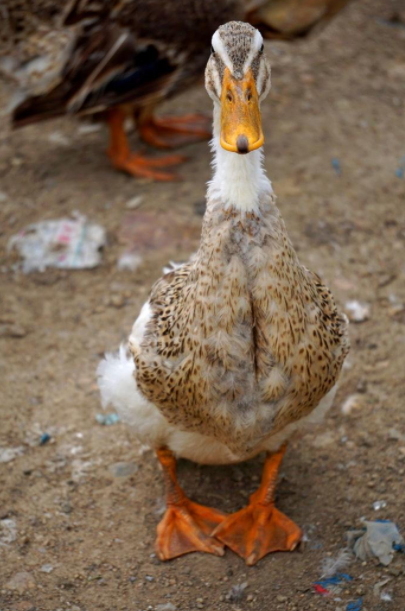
x,y
107,419
336,165
45,437
335,580
355,605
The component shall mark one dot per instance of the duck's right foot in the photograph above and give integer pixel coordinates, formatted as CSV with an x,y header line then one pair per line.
x,y
186,528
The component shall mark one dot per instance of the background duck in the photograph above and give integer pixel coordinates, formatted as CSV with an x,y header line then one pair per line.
x,y
123,58
239,347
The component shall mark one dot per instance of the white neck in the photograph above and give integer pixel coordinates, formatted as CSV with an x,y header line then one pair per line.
x,y
238,180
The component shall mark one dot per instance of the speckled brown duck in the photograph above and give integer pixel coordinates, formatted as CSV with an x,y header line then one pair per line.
x,y
239,347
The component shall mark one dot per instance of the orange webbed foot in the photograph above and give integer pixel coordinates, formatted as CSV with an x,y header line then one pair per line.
x,y
187,527
172,132
258,530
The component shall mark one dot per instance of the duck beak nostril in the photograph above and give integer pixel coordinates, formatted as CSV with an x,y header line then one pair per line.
x,y
242,144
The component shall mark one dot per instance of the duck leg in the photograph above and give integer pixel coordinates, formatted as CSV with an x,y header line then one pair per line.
x,y
171,131
186,526
134,163
260,528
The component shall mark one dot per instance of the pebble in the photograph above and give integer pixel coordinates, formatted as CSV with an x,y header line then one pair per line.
x,y
352,403
9,454
117,300
149,578
123,469
46,568
281,598
166,607
21,582
14,331
134,202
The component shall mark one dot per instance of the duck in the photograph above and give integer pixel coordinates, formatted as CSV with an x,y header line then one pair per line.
x,y
240,346
119,60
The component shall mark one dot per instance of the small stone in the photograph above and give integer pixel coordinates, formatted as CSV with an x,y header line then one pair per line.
x,y
123,469
11,330
166,607
117,300
66,508
46,568
250,598
21,582
281,598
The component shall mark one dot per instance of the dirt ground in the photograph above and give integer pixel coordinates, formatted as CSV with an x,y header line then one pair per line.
x,y
85,524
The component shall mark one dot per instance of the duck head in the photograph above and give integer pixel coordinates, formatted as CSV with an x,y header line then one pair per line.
x,y
237,79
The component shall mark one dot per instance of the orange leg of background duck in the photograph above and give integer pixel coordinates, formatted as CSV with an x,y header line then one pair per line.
x,y
134,163
171,131
186,526
260,528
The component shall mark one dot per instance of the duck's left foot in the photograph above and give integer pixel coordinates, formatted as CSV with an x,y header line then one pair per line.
x,y
171,132
260,528
186,526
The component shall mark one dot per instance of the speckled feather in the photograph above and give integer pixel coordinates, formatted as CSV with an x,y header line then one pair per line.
x,y
243,340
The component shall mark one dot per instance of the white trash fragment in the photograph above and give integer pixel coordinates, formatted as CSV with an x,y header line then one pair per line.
x,y
352,403
9,454
8,532
63,243
377,505
134,202
58,138
88,128
357,311
332,566
129,261
386,597
380,540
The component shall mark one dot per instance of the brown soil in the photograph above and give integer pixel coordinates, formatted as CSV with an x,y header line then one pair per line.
x,y
339,95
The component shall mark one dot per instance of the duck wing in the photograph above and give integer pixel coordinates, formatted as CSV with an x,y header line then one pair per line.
x,y
107,66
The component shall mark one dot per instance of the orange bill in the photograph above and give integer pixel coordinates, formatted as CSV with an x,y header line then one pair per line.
x,y
241,125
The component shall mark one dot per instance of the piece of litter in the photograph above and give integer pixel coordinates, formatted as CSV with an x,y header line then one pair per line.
x,y
378,539
355,605
336,166
46,568
88,128
335,580
129,261
357,311
321,590
237,592
45,437
377,587
123,469
8,532
334,566
377,505
58,138
386,597
134,202
352,403
107,419
63,243
9,454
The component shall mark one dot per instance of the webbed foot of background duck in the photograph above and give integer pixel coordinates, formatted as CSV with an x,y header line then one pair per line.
x,y
171,131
